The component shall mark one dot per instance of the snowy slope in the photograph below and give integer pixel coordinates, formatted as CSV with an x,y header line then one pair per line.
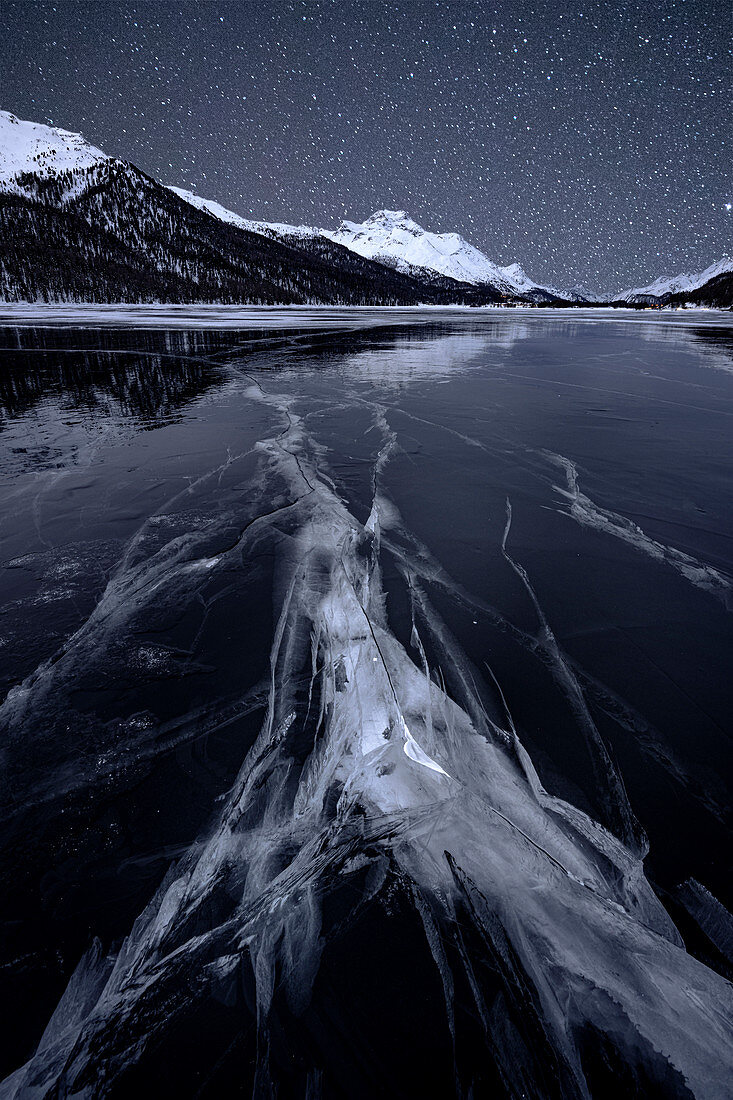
x,y
212,207
45,151
518,278
392,237
676,284
269,229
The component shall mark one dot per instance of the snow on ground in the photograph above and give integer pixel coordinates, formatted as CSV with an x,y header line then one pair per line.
x,y
267,229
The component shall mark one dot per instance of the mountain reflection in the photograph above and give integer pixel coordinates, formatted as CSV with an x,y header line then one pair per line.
x,y
715,343
147,387
150,376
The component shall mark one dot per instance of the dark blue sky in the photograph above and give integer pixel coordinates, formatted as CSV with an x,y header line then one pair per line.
x,y
590,142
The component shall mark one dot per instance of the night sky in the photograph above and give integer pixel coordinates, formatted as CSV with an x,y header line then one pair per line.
x,y
590,142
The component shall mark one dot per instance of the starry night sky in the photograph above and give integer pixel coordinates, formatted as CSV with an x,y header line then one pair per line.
x,y
590,142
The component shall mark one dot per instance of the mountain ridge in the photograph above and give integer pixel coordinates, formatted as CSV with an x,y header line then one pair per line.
x,y
668,286
393,238
77,224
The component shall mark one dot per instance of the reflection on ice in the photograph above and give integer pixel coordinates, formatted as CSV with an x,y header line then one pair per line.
x,y
715,344
427,358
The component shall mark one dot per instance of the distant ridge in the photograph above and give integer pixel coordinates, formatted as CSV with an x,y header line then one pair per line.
x,y
713,286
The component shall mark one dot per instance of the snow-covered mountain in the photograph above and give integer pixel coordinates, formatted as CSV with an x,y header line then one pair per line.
x,y
392,238
75,222
579,293
44,152
388,258
212,207
668,285
78,225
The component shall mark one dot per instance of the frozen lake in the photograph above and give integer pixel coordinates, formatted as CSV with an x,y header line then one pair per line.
x,y
352,662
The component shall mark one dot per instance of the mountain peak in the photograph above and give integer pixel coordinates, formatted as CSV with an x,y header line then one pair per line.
x,y
394,238
515,271
43,150
389,217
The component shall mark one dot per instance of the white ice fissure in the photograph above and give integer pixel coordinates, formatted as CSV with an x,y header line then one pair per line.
x,y
589,514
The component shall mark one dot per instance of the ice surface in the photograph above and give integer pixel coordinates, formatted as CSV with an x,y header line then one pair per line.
x,y
712,917
193,316
367,771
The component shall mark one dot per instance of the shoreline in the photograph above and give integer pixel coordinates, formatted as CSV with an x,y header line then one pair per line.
x,y
162,315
